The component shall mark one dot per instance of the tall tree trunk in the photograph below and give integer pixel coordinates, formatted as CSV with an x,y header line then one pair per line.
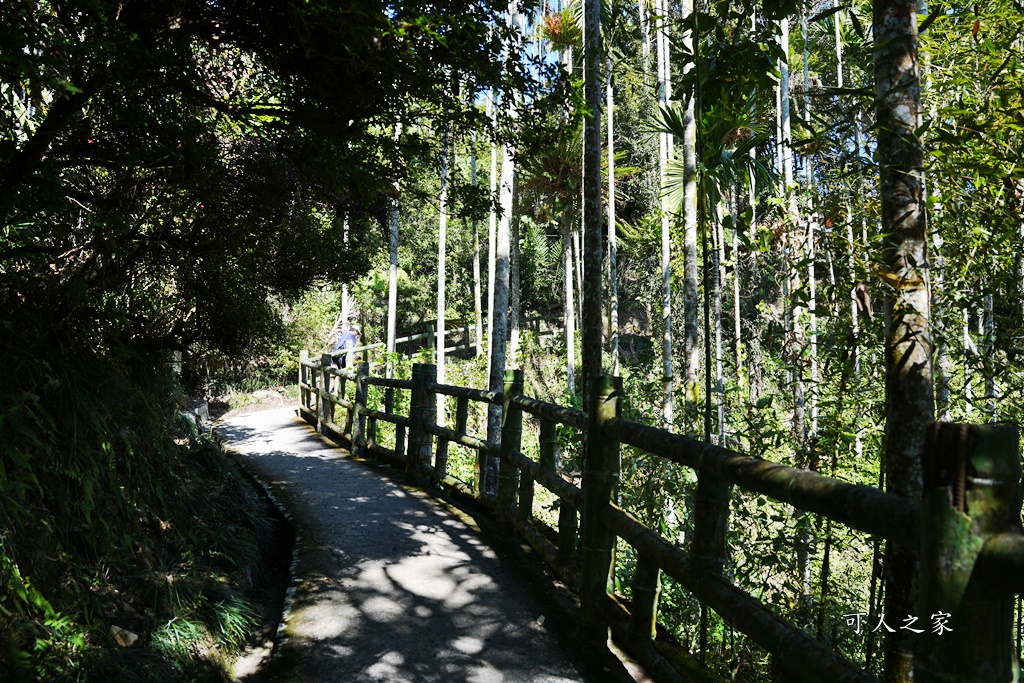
x,y
477,298
691,344
577,236
991,388
613,286
492,228
569,315
791,244
741,373
812,220
664,84
515,294
716,295
968,364
645,40
792,249
393,273
346,302
593,334
941,319
499,315
909,401
442,243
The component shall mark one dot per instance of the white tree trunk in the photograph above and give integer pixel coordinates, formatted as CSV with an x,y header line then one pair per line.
x,y
442,239
569,314
393,274
691,343
741,378
492,227
515,294
613,288
577,250
812,224
477,295
664,70
499,315
991,387
719,277
645,40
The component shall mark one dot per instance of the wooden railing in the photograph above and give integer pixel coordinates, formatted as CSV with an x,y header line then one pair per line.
x,y
967,529
539,325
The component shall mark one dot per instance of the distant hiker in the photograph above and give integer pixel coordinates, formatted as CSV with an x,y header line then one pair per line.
x,y
348,341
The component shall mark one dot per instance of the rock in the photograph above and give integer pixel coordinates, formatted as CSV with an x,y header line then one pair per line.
x,y
123,637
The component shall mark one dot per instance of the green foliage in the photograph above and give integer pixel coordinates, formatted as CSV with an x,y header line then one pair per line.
x,y
114,513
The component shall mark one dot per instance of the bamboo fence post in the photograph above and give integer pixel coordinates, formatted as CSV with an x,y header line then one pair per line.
x,y
441,453
971,493
600,484
710,526
417,400
549,457
480,470
511,435
643,619
303,392
461,414
524,507
325,405
389,407
371,421
428,413
358,445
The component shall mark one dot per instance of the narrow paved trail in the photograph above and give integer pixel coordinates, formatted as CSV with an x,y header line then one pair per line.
x,y
389,584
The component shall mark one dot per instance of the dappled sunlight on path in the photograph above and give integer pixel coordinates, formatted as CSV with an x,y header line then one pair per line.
x,y
390,586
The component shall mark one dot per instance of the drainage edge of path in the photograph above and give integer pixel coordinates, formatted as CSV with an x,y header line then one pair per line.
x,y
255,660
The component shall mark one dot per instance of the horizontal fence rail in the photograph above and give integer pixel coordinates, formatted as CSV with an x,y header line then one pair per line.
x,y
979,470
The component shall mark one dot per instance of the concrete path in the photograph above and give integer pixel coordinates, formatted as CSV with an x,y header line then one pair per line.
x,y
389,584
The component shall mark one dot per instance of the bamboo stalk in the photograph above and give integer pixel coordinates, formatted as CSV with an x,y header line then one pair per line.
x,y
600,483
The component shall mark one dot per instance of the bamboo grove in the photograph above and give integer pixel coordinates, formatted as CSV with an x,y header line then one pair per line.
x,y
792,228
774,214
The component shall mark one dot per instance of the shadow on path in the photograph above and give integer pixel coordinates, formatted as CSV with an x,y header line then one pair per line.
x,y
389,585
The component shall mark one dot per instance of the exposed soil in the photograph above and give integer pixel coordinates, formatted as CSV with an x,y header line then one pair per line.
x,y
264,399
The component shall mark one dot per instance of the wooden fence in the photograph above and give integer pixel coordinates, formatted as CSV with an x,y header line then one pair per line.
x,y
461,331
967,529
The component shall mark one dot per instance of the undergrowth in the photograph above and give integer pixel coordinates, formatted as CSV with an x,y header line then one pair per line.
x,y
127,538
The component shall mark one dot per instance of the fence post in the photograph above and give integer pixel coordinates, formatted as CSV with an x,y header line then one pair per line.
x,y
303,392
324,414
421,411
416,400
511,435
358,445
643,618
566,514
600,485
971,492
709,548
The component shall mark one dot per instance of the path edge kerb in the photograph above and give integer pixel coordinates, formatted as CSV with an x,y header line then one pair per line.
x,y
273,494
